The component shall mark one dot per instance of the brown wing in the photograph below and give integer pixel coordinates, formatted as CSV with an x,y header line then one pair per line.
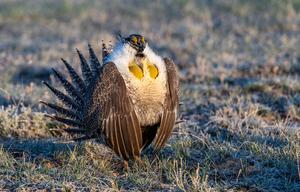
x,y
170,106
120,124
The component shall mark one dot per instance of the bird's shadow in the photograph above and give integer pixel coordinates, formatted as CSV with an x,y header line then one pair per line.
x,y
33,148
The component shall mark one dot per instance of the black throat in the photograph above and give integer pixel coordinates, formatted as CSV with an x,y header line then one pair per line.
x,y
141,55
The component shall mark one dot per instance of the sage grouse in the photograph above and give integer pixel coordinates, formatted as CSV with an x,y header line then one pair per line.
x,y
131,99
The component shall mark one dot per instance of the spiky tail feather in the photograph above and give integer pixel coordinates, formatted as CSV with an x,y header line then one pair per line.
x,y
78,94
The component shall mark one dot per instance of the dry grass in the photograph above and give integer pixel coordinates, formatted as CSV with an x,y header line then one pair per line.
x,y
239,65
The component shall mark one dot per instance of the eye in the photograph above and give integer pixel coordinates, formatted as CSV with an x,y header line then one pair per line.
x,y
143,40
134,39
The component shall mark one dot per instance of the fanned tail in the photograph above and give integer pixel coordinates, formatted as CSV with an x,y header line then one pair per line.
x,y
79,92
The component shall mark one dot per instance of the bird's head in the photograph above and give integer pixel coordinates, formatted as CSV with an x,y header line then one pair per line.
x,y
137,42
134,54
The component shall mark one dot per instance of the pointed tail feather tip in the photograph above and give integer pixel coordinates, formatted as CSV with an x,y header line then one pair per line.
x,y
69,88
85,68
76,79
64,98
95,64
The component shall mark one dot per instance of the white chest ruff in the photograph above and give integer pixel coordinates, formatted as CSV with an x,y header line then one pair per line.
x,y
148,94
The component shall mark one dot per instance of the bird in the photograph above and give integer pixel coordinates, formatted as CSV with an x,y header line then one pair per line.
x,y
130,99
